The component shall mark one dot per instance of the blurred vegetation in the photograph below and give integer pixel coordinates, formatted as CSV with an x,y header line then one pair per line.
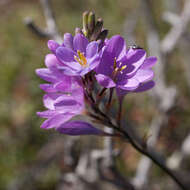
x,y
22,52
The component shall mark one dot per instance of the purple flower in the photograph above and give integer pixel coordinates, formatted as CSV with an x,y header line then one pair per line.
x,y
77,56
62,105
61,109
80,127
58,80
64,99
128,70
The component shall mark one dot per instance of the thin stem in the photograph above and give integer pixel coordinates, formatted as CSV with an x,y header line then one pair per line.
x,y
102,92
100,95
142,150
109,100
119,114
154,159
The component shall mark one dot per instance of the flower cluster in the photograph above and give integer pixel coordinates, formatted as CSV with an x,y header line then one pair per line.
x,y
79,68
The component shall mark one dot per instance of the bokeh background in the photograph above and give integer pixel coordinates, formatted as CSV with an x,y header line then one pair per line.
x,y
32,158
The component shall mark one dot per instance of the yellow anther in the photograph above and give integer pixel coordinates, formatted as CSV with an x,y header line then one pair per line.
x,y
123,67
78,60
81,59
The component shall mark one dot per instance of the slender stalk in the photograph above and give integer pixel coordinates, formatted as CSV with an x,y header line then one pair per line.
x,y
119,114
142,149
100,95
111,95
109,100
155,160
102,92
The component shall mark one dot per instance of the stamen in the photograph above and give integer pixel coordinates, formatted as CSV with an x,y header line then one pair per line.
x,y
78,60
123,67
81,59
117,69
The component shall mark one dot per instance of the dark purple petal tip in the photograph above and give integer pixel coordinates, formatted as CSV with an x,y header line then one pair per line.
x,y
52,45
79,128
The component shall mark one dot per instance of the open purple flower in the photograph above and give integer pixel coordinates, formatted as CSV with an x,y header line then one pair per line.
x,y
58,80
61,109
64,99
127,70
77,56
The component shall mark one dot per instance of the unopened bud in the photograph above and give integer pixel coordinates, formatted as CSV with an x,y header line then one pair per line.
x,y
85,23
91,22
97,29
102,36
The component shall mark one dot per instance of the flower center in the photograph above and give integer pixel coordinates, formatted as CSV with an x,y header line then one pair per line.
x,y
81,59
117,69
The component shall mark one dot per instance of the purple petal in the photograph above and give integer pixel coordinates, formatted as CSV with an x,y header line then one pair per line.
x,y
80,43
53,64
144,75
106,65
78,94
66,56
130,85
68,40
135,58
68,71
56,120
46,74
66,103
105,81
48,102
51,61
116,46
65,100
46,114
92,49
145,87
48,87
149,63
79,128
63,86
93,63
52,45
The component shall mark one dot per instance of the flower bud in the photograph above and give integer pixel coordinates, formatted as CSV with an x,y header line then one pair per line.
x,y
91,22
102,36
85,23
97,29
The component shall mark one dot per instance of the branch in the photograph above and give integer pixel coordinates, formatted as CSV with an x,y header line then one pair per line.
x,y
178,29
51,31
175,160
153,156
164,96
144,164
50,20
35,29
142,148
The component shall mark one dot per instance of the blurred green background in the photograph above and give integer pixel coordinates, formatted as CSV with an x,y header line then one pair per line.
x,y
21,52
